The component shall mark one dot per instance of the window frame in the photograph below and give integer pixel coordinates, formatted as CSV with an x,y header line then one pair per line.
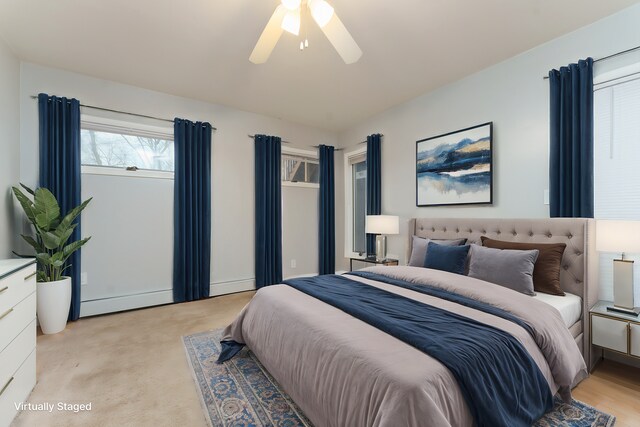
x,y
609,79
307,154
349,157
103,124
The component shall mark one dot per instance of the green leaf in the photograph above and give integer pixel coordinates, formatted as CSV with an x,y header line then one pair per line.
x,y
31,241
72,247
27,189
26,203
44,259
50,240
41,277
63,235
68,220
47,209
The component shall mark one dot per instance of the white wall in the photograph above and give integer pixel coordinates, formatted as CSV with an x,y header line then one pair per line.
x,y
232,263
10,145
130,221
299,231
514,96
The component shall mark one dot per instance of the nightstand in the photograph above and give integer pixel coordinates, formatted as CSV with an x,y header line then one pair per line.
x,y
372,261
613,331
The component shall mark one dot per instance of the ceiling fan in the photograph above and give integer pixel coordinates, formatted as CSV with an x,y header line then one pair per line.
x,y
287,18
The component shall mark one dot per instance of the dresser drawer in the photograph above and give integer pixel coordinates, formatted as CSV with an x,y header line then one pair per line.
x,y
16,287
634,330
16,319
16,352
18,390
609,333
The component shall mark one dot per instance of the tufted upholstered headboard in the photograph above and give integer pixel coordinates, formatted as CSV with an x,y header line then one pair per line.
x,y
579,269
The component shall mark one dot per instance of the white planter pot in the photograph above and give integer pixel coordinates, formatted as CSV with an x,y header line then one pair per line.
x,y
54,301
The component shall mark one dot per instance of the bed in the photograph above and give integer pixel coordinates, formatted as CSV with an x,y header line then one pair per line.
x,y
579,273
343,371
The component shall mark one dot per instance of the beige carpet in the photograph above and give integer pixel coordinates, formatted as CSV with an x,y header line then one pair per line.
x,y
133,369
131,366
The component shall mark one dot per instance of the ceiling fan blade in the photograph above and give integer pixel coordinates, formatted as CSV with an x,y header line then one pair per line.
x,y
269,38
341,40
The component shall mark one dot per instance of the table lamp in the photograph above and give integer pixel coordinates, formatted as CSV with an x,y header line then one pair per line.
x,y
621,237
381,225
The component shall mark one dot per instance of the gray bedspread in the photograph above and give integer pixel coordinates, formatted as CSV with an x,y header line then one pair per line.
x,y
344,372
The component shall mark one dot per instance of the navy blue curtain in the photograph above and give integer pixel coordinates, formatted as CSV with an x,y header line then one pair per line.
x,y
327,217
191,210
268,227
571,141
374,184
60,169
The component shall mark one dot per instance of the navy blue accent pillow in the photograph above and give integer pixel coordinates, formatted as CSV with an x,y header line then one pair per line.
x,y
446,258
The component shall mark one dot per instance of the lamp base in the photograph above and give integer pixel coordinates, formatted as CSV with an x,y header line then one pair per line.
x,y
623,301
630,312
381,247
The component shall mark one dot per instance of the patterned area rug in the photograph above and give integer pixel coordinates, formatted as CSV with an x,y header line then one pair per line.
x,y
241,392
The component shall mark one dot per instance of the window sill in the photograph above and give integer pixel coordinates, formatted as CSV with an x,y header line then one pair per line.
x,y
111,171
300,184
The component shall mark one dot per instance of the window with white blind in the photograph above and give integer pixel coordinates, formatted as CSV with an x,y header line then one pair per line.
x,y
617,164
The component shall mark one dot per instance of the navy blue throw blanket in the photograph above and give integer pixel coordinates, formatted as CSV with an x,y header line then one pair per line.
x,y
447,295
499,380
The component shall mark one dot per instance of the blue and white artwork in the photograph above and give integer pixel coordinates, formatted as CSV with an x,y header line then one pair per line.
x,y
455,168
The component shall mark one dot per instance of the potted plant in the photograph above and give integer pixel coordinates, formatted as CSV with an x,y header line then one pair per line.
x,y
53,249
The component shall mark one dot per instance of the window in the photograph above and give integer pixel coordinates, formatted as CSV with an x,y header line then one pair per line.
x,y
617,151
356,202
300,168
108,148
616,159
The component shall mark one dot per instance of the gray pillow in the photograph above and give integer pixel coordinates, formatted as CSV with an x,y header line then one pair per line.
x,y
419,248
510,268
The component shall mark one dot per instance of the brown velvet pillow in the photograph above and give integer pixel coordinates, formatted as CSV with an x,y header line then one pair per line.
x,y
546,271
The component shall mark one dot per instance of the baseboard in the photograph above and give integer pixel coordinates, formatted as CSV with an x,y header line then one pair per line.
x,y
150,299
301,275
129,302
231,287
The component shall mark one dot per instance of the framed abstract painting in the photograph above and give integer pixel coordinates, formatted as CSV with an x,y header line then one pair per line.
x,y
456,168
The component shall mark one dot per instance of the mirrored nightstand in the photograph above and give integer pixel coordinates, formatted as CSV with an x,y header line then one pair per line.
x,y
373,260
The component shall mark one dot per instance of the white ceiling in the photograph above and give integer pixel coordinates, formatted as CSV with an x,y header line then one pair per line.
x,y
200,48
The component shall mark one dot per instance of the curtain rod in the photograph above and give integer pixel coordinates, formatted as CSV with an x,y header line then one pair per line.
x,y
599,85
123,112
334,149
613,55
364,142
287,142
281,140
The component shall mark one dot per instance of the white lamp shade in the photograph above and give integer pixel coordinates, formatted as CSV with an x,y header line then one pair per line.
x,y
291,4
382,224
618,236
291,22
321,11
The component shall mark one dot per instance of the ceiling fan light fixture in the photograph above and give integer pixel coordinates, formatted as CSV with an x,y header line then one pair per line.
x,y
321,11
291,4
291,22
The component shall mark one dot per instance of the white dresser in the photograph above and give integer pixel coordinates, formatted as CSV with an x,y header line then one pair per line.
x,y
17,335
